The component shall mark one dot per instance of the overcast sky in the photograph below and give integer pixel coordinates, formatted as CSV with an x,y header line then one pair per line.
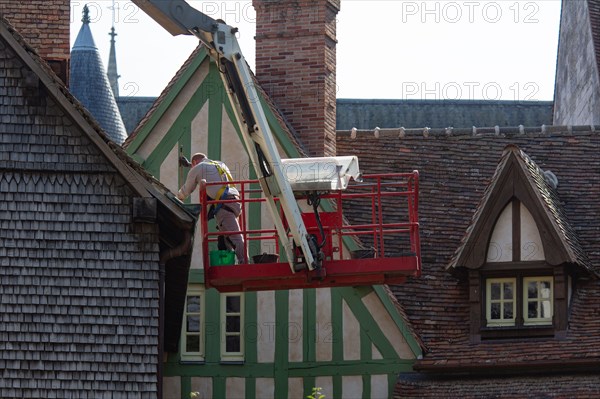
x,y
390,49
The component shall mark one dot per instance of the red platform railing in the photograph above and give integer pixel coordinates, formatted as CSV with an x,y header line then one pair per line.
x,y
369,235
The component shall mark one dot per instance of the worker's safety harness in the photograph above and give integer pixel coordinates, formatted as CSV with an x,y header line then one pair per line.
x,y
223,192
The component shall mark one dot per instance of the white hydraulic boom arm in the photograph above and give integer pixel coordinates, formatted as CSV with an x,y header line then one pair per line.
x,y
179,18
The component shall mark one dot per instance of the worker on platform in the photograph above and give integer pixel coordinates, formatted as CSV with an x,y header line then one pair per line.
x,y
226,214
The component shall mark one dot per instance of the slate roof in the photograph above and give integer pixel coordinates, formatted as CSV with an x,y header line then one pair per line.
x,y
133,109
89,84
79,293
594,15
368,114
455,168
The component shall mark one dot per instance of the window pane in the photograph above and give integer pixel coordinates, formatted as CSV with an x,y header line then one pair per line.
x,y
192,343
193,324
532,291
508,310
545,289
232,343
532,309
495,291
233,324
495,311
232,304
193,304
508,291
546,309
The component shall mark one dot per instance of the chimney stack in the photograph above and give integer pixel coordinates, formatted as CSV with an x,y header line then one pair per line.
x,y
296,64
45,26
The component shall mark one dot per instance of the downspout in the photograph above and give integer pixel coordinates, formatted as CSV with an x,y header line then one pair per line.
x,y
164,257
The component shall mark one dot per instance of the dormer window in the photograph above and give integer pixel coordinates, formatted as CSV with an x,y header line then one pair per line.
x,y
508,306
520,253
525,296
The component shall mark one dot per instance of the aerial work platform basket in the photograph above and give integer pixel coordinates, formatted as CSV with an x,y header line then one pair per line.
x,y
367,234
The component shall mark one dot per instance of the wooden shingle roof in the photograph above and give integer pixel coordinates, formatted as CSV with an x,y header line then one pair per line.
x,y
79,269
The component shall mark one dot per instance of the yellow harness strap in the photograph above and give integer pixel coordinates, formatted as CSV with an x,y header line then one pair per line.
x,y
222,171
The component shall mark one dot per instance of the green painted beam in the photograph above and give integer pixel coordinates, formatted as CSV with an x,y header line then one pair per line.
x,y
196,276
347,368
368,323
309,322
305,370
186,387
282,305
250,327
215,113
212,327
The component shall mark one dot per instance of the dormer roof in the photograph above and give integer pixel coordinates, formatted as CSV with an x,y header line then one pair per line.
x,y
518,176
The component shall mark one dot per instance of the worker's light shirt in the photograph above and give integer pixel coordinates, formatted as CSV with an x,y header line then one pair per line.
x,y
208,171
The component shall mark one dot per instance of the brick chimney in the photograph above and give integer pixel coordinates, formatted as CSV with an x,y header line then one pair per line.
x,y
45,26
295,65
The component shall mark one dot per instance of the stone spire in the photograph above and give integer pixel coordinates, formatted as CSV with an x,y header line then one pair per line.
x,y
113,76
90,85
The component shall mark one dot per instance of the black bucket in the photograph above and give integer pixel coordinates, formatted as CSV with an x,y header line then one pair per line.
x,y
265,258
363,253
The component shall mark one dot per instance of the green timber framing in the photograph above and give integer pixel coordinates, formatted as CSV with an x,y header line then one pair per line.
x,y
387,363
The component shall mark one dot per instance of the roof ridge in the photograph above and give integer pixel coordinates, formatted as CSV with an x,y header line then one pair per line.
x,y
402,132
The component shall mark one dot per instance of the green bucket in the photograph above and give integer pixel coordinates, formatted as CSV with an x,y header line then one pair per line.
x,y
222,258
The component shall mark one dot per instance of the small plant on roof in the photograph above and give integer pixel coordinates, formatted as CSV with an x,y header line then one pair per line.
x,y
316,393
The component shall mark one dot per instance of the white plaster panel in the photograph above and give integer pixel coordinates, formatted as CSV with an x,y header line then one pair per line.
x,y
351,332
196,261
172,387
168,118
199,132
379,386
233,151
169,170
531,242
204,387
295,325
324,327
375,354
500,246
266,326
235,387
387,325
265,388
326,383
296,388
352,387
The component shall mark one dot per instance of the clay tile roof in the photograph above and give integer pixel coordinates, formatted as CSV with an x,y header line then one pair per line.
x,y
455,167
